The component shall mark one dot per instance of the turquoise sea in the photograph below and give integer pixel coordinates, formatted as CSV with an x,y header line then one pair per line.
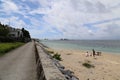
x,y
112,46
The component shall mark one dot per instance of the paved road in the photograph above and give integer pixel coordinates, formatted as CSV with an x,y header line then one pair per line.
x,y
19,64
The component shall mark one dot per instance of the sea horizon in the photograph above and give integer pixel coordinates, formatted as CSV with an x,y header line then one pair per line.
x,y
109,46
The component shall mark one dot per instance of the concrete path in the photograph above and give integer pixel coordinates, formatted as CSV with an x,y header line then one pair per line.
x,y
19,64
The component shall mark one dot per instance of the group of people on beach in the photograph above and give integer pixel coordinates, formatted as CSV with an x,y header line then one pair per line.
x,y
93,53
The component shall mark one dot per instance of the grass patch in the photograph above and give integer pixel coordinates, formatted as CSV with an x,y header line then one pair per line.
x,y
57,56
5,47
69,53
49,50
52,52
88,64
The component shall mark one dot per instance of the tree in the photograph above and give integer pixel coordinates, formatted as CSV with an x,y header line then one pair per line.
x,y
25,33
4,30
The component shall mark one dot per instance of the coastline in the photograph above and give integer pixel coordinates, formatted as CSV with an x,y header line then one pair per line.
x,y
107,46
107,65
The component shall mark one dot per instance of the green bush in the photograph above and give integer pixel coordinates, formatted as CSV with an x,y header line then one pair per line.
x,y
88,65
57,56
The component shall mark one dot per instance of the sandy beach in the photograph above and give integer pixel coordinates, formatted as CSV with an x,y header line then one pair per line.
x,y
106,66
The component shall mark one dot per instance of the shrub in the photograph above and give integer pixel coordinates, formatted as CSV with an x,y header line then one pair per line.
x,y
88,65
57,56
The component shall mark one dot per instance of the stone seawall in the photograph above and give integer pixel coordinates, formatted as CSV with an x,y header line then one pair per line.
x,y
46,69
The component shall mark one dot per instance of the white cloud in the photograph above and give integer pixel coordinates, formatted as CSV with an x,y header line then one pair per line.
x,y
13,21
108,30
43,3
9,6
39,11
68,17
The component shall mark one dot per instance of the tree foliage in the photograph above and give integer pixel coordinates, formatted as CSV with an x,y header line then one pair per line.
x,y
4,30
25,33
5,36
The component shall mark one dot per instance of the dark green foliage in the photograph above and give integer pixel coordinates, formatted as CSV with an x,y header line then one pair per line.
x,y
57,56
5,36
25,33
88,65
3,30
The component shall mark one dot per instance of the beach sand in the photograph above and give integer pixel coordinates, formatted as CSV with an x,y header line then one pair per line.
x,y
106,66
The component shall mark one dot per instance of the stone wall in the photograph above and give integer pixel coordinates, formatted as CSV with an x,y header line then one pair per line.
x,y
46,69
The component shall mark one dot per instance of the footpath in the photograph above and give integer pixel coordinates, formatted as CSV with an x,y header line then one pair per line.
x,y
19,64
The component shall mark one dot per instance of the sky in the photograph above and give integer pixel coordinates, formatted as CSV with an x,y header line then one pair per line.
x,y
72,19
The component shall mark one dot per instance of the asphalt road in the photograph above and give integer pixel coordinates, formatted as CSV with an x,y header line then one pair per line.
x,y
19,64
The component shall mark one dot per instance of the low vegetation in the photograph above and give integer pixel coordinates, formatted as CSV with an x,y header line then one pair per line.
x,y
53,54
5,35
5,47
49,50
88,64
57,56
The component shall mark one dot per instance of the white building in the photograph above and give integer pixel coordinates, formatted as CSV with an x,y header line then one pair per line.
x,y
15,33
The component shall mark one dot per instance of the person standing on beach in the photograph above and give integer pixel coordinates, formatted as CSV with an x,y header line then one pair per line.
x,y
87,54
93,53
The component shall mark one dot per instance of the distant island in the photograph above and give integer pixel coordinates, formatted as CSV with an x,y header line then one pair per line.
x,y
64,39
